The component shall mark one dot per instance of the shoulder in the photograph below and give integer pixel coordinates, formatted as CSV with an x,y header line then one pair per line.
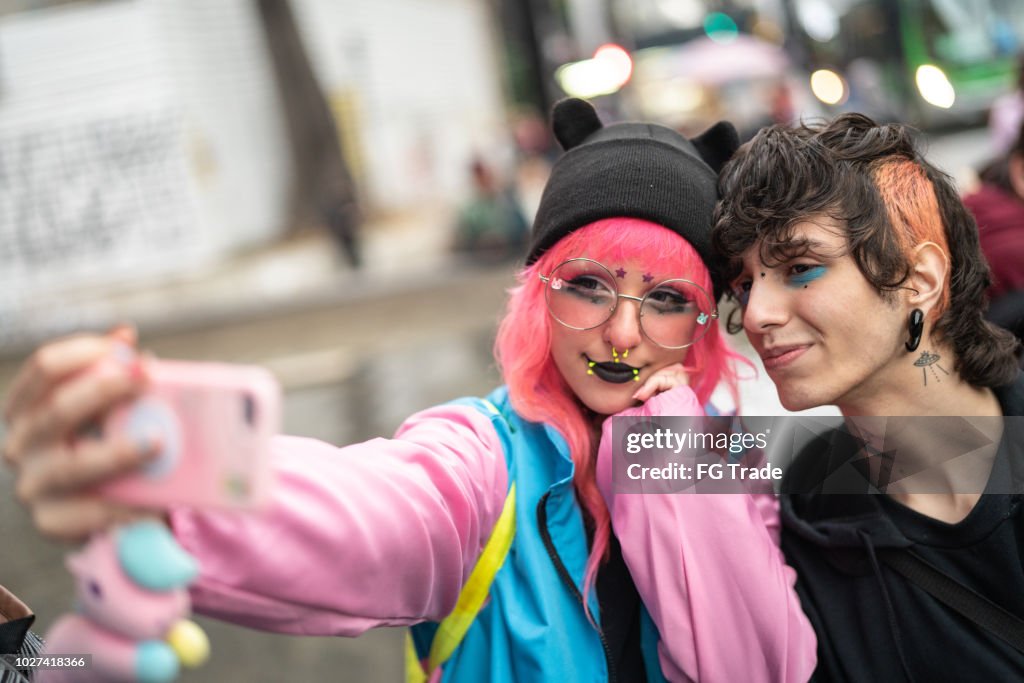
x,y
1011,397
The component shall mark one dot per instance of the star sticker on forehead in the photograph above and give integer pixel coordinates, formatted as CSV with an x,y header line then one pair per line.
x,y
648,277
621,272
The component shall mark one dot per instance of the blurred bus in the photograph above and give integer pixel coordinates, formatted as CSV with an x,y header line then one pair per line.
x,y
933,63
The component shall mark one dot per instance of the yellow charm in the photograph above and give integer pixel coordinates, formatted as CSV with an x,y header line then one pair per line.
x,y
189,642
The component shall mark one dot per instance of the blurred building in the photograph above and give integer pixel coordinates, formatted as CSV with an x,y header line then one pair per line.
x,y
145,138
932,63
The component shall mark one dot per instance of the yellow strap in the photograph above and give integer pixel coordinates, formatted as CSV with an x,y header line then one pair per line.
x,y
413,668
452,629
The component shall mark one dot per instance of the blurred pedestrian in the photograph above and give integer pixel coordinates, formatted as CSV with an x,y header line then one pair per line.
x,y
998,208
861,284
490,224
1007,114
507,497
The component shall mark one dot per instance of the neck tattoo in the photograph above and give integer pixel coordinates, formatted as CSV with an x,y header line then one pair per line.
x,y
929,361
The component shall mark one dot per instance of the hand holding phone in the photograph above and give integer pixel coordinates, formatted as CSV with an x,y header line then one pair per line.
x,y
213,422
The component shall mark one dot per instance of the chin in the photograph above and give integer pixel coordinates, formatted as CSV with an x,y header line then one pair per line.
x,y
609,405
796,398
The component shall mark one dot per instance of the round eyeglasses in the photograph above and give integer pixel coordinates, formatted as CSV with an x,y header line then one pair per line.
x,y
581,294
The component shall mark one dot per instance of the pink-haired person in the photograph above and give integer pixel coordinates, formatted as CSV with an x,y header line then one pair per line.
x,y
508,497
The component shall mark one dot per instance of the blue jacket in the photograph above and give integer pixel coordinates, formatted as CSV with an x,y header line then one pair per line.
x,y
534,627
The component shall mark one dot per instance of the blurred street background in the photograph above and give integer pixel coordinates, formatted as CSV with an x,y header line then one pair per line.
x,y
340,189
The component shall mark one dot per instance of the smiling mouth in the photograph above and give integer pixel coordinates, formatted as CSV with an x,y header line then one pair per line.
x,y
781,357
616,373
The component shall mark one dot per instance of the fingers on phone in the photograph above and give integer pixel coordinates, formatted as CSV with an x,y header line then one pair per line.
x,y
124,332
73,519
68,470
69,408
49,364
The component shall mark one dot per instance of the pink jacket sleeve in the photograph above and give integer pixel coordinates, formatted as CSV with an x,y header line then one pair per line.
x,y
380,533
709,570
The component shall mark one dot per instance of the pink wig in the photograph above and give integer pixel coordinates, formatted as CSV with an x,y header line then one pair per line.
x,y
536,388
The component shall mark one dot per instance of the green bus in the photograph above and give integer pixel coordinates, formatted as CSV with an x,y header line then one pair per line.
x,y
932,63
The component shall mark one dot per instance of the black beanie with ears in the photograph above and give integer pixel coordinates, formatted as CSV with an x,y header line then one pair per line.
x,y
634,170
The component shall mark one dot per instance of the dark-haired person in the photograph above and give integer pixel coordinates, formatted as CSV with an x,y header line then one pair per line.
x,y
861,284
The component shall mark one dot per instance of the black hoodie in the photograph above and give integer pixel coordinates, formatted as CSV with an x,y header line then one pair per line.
x,y
872,624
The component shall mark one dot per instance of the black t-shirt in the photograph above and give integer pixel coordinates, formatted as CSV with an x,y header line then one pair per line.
x,y
620,615
872,623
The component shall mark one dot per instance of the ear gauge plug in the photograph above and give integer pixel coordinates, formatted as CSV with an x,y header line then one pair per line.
x,y
916,326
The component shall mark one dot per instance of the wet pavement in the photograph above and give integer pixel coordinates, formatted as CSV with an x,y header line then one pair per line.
x,y
351,372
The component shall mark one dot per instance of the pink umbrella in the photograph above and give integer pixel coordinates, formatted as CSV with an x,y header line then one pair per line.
x,y
745,57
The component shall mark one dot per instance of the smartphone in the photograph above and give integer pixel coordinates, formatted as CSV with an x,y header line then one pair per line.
x,y
214,423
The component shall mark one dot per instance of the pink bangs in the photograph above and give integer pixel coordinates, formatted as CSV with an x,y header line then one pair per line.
x,y
616,240
664,253
536,388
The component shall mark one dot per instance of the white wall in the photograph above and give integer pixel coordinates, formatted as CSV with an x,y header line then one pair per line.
x,y
138,138
424,79
142,139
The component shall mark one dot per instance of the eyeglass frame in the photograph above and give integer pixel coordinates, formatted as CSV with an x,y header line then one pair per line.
x,y
546,279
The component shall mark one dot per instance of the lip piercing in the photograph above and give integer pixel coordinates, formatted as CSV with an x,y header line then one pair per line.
x,y
636,375
590,366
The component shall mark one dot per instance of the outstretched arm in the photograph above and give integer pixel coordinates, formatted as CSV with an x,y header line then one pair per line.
x,y
380,533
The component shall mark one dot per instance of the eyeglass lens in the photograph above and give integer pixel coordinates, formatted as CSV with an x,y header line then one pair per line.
x,y
583,294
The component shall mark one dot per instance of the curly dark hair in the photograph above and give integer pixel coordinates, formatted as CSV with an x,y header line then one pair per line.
x,y
873,180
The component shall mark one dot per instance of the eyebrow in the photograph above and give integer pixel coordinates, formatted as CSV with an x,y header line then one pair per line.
x,y
791,249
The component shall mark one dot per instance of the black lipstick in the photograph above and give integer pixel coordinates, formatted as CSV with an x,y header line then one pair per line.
x,y
616,373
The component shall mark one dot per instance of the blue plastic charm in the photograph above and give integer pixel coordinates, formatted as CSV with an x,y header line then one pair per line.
x,y
152,558
156,662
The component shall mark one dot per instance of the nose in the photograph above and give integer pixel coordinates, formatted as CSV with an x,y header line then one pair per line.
x,y
622,330
766,308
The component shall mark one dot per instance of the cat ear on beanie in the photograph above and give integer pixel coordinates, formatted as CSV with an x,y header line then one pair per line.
x,y
573,121
717,144
631,170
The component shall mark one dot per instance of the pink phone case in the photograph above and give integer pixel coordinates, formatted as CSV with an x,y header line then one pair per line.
x,y
214,422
